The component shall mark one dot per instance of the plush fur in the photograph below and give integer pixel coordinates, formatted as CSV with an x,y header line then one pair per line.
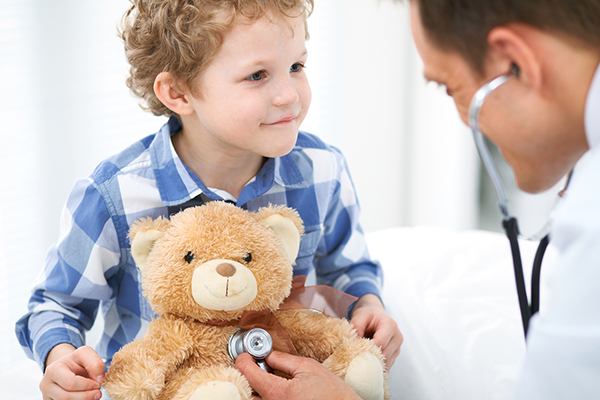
x,y
212,263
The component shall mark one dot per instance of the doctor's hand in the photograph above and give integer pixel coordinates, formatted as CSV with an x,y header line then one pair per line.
x,y
72,373
310,380
371,321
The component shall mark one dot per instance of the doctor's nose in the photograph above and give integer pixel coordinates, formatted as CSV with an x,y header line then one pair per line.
x,y
285,93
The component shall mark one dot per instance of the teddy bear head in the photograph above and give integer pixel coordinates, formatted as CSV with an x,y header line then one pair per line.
x,y
215,261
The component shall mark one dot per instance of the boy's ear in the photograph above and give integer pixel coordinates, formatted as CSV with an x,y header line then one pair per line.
x,y
170,95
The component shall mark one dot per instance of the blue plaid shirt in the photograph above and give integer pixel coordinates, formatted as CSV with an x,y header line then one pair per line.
x,y
91,264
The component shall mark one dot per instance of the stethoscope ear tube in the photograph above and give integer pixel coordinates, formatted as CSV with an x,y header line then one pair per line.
x,y
482,149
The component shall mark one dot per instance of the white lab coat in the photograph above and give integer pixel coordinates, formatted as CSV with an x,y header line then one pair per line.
x,y
563,346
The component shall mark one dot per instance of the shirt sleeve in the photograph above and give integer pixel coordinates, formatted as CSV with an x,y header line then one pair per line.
x,y
73,281
342,258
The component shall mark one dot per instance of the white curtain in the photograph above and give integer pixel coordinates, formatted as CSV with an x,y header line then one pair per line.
x,y
64,107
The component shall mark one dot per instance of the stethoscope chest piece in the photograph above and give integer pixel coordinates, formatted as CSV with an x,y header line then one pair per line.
x,y
257,342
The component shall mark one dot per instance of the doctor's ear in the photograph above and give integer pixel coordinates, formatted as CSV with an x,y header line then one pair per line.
x,y
169,93
513,49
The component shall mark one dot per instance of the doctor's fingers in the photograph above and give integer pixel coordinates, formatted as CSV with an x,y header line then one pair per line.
x,y
260,381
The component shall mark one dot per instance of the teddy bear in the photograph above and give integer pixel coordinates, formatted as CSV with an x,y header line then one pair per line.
x,y
205,270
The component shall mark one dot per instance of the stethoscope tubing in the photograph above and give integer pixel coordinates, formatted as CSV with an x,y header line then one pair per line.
x,y
484,153
509,222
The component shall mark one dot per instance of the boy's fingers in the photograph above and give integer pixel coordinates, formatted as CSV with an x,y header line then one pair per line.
x,y
59,376
360,322
77,383
383,336
87,358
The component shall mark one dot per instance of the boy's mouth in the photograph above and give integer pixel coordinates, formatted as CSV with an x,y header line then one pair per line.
x,y
284,120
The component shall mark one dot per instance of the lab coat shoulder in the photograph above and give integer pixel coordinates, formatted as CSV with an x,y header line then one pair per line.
x,y
562,359
575,282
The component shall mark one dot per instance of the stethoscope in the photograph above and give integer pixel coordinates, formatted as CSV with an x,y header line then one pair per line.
x,y
509,222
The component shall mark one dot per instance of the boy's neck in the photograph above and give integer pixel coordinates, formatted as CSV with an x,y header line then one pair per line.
x,y
216,169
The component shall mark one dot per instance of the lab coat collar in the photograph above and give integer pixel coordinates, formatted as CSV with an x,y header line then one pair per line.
x,y
592,112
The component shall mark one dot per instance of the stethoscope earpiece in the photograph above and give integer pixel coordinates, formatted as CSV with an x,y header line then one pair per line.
x,y
515,70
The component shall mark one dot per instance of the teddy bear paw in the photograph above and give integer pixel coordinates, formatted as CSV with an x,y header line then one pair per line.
x,y
217,390
365,375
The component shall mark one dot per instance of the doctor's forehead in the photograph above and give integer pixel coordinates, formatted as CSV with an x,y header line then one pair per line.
x,y
432,57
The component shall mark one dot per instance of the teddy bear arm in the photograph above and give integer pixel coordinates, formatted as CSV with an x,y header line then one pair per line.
x,y
335,343
139,369
314,334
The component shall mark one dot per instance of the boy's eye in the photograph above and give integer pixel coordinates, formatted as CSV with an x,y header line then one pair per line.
x,y
297,67
257,76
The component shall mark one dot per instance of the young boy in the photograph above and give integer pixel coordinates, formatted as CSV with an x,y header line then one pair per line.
x,y
230,75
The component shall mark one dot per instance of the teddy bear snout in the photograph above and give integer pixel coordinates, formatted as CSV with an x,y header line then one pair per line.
x,y
223,284
226,270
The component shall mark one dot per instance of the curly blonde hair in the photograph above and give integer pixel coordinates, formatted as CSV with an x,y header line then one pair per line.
x,y
182,37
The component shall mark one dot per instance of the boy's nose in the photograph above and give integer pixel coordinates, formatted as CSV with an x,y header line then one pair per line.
x,y
286,93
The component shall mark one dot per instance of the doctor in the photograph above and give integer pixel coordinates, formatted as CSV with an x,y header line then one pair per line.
x,y
544,120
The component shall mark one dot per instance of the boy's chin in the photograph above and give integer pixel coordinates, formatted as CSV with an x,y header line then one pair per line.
x,y
280,152
284,148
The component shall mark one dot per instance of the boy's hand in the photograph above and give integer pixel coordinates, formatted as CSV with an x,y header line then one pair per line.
x,y
370,320
310,380
72,373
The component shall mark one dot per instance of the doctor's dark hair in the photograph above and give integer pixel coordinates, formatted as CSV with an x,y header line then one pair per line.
x,y
463,25
183,36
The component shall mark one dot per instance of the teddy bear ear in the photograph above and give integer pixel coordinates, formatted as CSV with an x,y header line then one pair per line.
x,y
287,225
143,235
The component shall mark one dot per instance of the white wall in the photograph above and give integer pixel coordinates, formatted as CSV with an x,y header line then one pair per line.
x,y
412,160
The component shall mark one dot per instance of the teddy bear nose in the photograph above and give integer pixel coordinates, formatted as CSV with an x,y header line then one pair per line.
x,y
226,270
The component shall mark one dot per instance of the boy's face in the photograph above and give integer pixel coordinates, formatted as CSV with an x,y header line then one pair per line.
x,y
254,95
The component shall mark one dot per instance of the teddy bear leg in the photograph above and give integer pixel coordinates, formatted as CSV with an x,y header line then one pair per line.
x,y
216,383
361,364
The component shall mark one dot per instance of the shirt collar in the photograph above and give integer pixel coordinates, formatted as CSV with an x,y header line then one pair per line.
x,y
592,112
177,184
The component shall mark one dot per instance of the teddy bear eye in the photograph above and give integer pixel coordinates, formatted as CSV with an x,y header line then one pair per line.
x,y
189,257
248,258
